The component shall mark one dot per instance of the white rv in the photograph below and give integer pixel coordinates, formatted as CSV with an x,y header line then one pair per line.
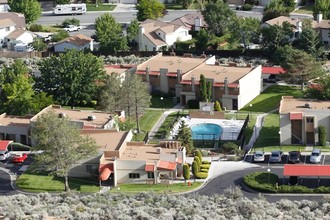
x,y
70,9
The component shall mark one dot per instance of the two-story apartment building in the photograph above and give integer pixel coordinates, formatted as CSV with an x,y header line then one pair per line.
x,y
300,119
233,86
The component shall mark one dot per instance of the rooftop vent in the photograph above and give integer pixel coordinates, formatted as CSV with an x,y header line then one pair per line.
x,y
91,117
158,150
308,105
61,115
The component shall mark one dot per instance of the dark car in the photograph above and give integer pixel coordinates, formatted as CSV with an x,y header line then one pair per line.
x,y
294,157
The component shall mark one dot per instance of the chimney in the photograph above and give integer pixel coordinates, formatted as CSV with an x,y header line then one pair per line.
x,y
226,85
147,73
198,24
319,17
193,84
178,75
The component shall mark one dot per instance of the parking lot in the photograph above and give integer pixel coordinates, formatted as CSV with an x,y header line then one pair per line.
x,y
304,159
17,168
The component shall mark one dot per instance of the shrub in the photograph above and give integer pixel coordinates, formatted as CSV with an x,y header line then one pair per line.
x,y
193,104
206,162
204,170
201,175
205,166
322,189
322,136
247,7
217,106
62,34
294,189
195,168
70,21
230,148
198,153
186,172
198,162
261,181
36,28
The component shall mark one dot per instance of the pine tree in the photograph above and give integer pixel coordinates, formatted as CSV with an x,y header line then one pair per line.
x,y
186,172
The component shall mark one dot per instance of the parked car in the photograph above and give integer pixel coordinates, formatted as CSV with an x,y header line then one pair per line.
x,y
315,156
20,158
276,156
294,157
259,156
71,28
4,155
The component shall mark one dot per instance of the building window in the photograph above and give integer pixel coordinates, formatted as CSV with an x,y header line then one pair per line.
x,y
151,175
134,175
310,120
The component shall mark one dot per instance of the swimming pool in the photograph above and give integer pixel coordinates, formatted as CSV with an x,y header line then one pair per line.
x,y
206,131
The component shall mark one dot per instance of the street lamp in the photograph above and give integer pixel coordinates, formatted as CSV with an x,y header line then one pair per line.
x,y
135,132
161,99
250,110
268,170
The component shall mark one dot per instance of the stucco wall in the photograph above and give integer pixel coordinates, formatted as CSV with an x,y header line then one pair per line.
x,y
124,167
16,130
80,169
62,46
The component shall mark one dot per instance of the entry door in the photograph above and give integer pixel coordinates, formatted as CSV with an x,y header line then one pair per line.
x,y
235,105
310,138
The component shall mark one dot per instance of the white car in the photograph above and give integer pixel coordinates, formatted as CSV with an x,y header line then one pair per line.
x,y
259,156
315,156
71,28
4,155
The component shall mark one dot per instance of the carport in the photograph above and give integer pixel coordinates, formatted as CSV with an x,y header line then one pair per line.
x,y
306,170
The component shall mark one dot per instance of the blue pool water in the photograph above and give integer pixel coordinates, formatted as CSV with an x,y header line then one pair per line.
x,y
206,131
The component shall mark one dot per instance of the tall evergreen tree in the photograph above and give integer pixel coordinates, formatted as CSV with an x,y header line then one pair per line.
x,y
185,137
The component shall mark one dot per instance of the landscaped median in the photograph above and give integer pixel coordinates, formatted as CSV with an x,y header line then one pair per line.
x,y
269,183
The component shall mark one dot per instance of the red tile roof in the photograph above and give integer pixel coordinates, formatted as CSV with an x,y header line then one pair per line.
x,y
306,170
149,167
166,165
4,145
272,70
296,116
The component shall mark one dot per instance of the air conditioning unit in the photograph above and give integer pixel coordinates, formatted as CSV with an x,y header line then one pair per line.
x,y
91,117
308,105
61,115
158,150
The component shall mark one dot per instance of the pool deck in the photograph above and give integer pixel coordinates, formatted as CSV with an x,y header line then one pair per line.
x,y
230,128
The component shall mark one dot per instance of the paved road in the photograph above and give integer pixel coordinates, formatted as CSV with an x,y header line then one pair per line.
x,y
5,184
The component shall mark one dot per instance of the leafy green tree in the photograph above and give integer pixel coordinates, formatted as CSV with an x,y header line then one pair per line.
x,y
274,37
219,17
38,44
132,33
185,137
149,9
10,73
186,172
71,77
61,143
217,106
60,35
30,8
277,8
110,34
322,91
310,41
322,136
202,38
71,21
301,67
323,7
246,31
110,98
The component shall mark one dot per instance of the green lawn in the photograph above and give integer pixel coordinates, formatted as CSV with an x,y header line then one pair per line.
x,y
101,7
269,135
174,6
147,121
157,102
305,10
159,188
43,183
270,98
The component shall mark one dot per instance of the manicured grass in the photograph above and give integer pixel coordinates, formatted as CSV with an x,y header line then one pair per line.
x,y
101,7
269,135
288,148
40,182
156,102
261,181
271,97
174,6
147,121
159,188
305,10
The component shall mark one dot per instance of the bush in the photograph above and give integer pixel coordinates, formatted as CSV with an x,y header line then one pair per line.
x,y
195,168
204,170
322,189
294,189
229,148
201,175
205,166
206,162
261,181
217,106
198,153
322,136
193,104
70,21
198,162
186,172
62,34
247,7
36,28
